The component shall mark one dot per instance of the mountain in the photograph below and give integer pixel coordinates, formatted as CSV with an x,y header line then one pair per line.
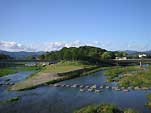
x,y
21,54
130,52
148,52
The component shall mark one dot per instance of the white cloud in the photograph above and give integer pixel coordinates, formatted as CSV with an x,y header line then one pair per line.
x,y
13,46
138,46
51,46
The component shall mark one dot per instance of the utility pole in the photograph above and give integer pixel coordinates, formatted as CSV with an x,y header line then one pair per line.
x,y
141,60
140,63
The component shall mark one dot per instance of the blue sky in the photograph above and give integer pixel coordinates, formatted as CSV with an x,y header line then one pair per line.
x,y
51,24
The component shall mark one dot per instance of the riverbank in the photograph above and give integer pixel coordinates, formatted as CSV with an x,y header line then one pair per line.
x,y
104,108
12,70
131,76
55,73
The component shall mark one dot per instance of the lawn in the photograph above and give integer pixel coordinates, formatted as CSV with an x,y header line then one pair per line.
x,y
50,74
133,76
104,108
6,71
10,70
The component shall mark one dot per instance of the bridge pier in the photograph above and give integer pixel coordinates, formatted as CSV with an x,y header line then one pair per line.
x,y
140,63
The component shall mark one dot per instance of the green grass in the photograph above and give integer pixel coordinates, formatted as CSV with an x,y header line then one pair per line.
x,y
114,72
132,76
103,108
9,70
6,71
14,99
55,73
148,104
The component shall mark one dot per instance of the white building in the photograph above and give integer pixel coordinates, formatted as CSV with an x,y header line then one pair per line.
x,y
121,58
142,55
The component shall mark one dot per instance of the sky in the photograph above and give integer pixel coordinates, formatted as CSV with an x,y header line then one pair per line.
x,y
47,25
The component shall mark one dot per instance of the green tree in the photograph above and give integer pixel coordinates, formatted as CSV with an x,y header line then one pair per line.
x,y
107,55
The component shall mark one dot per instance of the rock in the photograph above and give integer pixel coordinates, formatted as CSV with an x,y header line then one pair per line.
x,y
125,90
81,86
67,85
97,91
93,87
82,90
74,86
136,88
56,85
101,87
145,88
107,87
90,90
117,89
62,85
7,80
129,88
87,86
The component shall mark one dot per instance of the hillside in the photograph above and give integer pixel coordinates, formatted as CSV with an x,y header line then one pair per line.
x,y
84,53
21,54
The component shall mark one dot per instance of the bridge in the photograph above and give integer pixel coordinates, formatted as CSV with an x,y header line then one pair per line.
x,y
112,61
13,60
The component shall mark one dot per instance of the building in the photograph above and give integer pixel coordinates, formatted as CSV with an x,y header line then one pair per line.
x,y
121,58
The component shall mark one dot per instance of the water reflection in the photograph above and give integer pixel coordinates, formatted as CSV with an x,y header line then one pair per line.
x,y
48,99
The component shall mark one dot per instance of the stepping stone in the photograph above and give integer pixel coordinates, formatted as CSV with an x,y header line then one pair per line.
x,y
82,90
97,91
93,87
56,85
107,87
74,86
101,87
90,90
136,88
125,90
87,86
81,86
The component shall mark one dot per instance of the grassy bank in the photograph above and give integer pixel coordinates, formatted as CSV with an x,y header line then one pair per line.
x,y
148,104
14,99
104,108
132,76
55,73
9,70
6,71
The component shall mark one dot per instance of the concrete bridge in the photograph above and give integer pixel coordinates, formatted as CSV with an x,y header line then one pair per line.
x,y
112,61
11,61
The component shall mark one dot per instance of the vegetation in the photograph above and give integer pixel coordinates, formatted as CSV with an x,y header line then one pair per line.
x,y
132,76
3,56
149,100
83,53
10,70
14,99
6,71
54,73
113,72
103,108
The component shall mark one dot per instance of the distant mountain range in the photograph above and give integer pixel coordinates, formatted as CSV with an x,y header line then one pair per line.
x,y
24,54
21,54
131,52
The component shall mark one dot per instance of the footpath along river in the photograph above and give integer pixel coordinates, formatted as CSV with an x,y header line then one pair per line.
x,y
50,99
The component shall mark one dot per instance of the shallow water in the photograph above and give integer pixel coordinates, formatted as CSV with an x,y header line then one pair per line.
x,y
49,99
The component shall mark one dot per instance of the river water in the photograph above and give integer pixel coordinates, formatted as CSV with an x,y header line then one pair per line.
x,y
49,99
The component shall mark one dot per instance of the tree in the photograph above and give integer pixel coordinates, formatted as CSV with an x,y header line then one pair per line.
x,y
3,56
107,55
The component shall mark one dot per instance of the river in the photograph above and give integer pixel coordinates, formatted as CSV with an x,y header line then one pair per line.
x,y
50,99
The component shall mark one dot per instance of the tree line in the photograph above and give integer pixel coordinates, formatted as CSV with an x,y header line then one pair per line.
x,y
85,53
3,56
